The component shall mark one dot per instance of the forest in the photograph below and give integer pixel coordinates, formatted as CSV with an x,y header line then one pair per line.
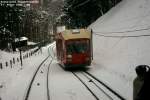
x,y
81,13
39,23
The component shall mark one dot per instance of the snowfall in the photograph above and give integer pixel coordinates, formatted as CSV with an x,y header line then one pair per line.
x,y
121,42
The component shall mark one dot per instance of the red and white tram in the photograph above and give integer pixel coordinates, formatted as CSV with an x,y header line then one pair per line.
x,y
74,47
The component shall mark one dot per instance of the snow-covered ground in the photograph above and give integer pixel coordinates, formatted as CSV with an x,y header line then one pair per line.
x,y
14,81
121,42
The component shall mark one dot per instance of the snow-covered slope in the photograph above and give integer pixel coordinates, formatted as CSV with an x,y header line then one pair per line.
x,y
121,42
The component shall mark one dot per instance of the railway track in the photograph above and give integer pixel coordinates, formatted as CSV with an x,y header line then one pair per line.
x,y
97,88
42,65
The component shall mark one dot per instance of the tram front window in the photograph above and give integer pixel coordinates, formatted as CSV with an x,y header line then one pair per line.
x,y
77,47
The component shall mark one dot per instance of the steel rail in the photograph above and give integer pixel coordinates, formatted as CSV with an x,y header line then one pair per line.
x,y
48,90
85,85
111,90
31,82
91,80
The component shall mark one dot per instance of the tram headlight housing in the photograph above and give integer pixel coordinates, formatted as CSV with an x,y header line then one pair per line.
x,y
69,56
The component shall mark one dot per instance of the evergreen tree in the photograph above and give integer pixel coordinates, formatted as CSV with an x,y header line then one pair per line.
x,y
81,13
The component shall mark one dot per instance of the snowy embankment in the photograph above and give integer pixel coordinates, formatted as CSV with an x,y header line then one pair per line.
x,y
121,42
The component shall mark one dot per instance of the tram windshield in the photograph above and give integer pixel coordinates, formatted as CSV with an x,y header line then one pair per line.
x,y
77,47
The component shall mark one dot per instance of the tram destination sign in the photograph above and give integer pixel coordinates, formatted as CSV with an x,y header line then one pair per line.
x,y
19,1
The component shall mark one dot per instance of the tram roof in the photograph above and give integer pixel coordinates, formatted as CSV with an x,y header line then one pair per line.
x,y
76,34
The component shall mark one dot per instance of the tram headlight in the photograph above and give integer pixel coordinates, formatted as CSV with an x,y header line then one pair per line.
x,y
69,56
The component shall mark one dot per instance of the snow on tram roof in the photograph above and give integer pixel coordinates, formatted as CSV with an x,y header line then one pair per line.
x,y
76,33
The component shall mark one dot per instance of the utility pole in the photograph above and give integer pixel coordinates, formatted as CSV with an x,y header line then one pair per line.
x,y
92,43
20,56
18,26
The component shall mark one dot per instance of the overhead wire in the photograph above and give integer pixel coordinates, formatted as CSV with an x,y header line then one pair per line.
x,y
103,34
127,31
124,36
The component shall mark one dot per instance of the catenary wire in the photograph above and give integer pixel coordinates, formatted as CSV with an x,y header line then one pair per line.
x,y
102,34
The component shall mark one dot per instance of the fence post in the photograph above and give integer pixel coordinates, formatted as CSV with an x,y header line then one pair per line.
x,y
1,66
11,63
14,60
6,63
17,59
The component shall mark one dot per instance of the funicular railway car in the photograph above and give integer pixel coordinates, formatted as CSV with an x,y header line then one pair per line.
x,y
74,47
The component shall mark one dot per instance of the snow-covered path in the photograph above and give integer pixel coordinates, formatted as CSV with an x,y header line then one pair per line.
x,y
15,81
